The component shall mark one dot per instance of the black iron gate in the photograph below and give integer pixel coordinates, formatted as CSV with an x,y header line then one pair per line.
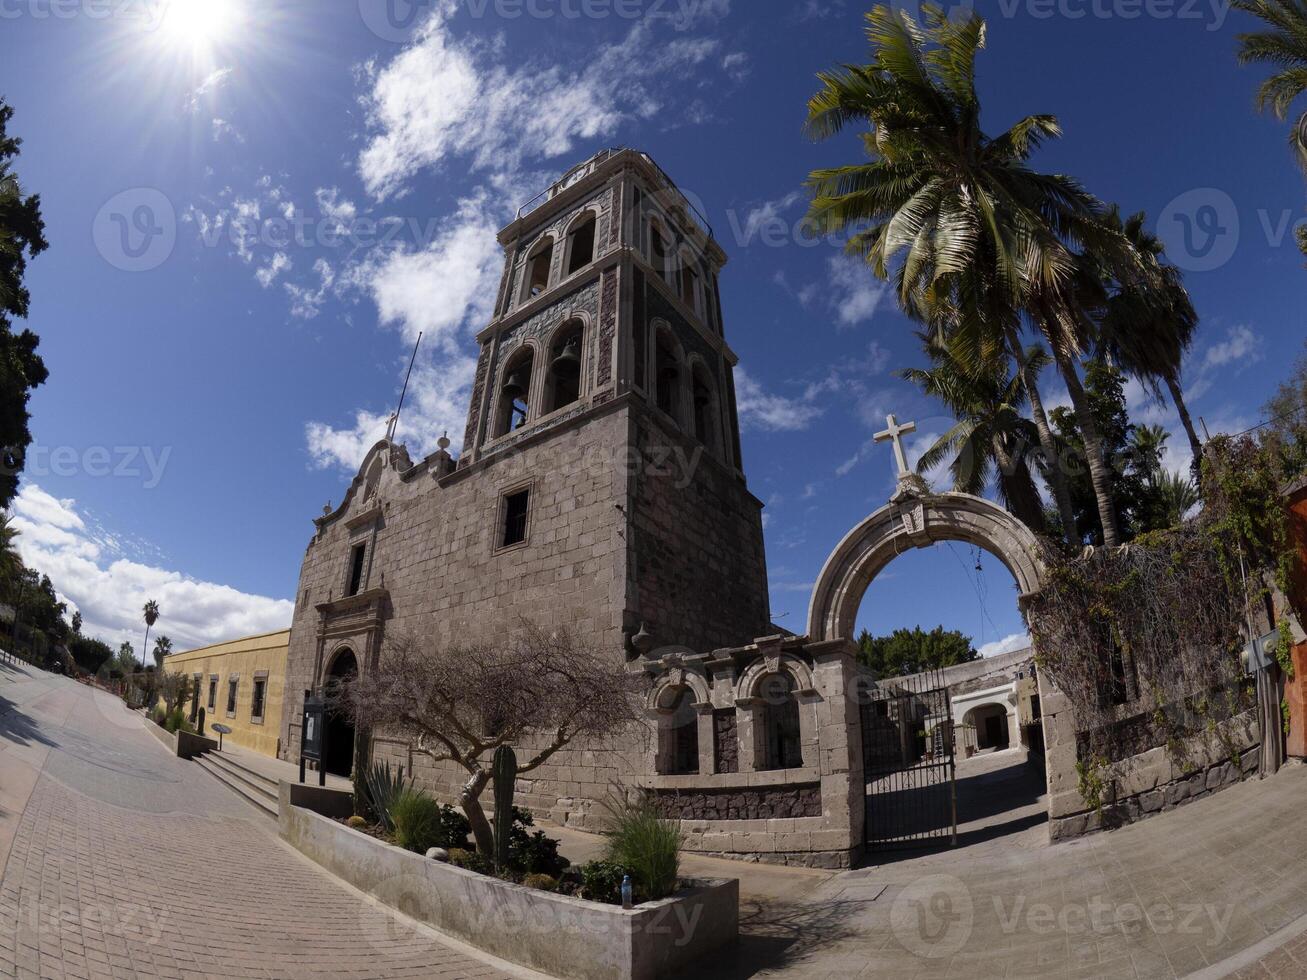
x,y
907,751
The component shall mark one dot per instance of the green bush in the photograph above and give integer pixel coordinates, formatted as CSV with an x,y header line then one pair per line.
x,y
545,883
177,721
416,819
601,881
383,788
470,860
453,829
357,822
538,855
649,845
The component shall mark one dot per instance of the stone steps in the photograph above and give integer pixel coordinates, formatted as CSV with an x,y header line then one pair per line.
x,y
254,787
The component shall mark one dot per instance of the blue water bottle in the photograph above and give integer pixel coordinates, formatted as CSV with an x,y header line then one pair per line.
x,y
627,902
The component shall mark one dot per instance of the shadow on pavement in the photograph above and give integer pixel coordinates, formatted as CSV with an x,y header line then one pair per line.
x,y
17,726
774,934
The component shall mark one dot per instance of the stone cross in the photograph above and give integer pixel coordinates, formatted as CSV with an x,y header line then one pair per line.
x,y
895,433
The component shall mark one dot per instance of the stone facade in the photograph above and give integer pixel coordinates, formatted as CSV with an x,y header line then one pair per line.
x,y
637,513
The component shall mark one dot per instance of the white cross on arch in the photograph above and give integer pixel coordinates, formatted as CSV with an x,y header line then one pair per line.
x,y
895,433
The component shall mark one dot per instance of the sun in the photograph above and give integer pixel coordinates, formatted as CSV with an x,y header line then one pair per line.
x,y
199,23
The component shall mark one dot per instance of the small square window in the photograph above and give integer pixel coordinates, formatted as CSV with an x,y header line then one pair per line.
x,y
517,507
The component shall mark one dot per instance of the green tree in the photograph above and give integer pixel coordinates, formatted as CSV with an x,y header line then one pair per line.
x,y
89,653
125,659
911,651
162,647
151,616
973,238
1286,412
22,236
77,622
10,563
1147,331
992,436
1284,47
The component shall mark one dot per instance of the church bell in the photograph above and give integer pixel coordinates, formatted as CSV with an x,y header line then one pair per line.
x,y
567,363
515,387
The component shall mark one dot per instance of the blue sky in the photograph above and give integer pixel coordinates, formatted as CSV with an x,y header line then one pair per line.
x,y
254,208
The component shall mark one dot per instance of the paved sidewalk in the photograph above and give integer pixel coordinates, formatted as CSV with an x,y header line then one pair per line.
x,y
128,862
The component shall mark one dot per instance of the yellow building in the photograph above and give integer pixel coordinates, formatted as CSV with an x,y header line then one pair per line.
x,y
242,685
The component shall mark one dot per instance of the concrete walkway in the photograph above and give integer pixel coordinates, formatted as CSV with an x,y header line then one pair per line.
x,y
121,860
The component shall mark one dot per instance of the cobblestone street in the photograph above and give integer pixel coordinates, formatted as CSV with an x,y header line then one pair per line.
x,y
128,862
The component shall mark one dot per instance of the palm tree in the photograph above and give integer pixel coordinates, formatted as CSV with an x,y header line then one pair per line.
x,y
991,436
151,612
162,647
1176,495
1147,332
1284,47
10,563
974,238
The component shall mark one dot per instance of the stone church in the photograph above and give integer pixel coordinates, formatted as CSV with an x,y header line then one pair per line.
x,y
601,487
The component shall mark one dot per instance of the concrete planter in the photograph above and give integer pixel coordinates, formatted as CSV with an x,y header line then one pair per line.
x,y
184,745
557,934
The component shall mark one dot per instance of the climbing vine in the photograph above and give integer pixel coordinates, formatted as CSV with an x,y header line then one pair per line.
x,y
1144,640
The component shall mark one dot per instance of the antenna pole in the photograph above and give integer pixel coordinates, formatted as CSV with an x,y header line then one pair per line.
x,y
394,419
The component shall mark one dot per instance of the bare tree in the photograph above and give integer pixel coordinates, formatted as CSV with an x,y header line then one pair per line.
x,y
537,691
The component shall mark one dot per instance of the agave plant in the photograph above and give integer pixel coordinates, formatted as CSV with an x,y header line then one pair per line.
x,y
384,787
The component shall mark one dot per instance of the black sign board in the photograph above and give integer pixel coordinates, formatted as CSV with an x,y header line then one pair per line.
x,y
312,735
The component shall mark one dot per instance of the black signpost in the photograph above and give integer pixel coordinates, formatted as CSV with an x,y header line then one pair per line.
x,y
313,735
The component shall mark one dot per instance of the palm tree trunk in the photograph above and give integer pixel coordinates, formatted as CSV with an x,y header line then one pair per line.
x,y
1195,443
145,646
1019,489
1053,467
1099,474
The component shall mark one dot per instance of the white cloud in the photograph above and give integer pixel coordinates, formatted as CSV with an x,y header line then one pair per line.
x,y
445,291
306,301
1016,641
1240,345
855,292
443,97
222,130
736,65
58,540
212,82
275,266
773,412
768,215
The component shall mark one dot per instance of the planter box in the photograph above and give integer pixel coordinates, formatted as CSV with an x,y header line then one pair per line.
x,y
184,745
557,934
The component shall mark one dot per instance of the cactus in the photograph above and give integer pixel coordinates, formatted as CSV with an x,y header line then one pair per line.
x,y
201,718
505,774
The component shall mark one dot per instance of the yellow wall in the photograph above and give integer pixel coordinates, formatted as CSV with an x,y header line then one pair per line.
x,y
244,659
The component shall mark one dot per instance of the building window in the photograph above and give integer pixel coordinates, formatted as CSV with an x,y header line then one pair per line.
x,y
516,509
515,394
356,557
658,252
231,696
705,428
195,697
564,384
581,245
213,692
256,704
680,755
537,269
667,373
689,286
783,744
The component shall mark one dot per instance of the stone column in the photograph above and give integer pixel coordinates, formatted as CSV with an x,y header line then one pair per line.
x,y
839,734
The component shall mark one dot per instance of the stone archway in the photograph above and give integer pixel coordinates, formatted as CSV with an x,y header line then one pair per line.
x,y
916,522
339,759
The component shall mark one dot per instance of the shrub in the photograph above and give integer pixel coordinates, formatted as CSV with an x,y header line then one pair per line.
x,y
177,721
416,819
538,855
601,881
452,830
649,845
357,822
470,860
543,882
383,787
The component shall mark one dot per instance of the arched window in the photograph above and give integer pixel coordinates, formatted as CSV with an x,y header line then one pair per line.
x,y
667,374
515,393
581,245
564,384
705,407
537,269
679,752
782,741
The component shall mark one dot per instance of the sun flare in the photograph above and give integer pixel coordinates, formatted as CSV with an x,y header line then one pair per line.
x,y
200,23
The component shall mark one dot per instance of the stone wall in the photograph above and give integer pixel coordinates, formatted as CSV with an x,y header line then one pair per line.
x,y
741,803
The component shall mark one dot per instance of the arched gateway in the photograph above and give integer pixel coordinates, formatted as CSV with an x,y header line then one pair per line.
x,y
916,521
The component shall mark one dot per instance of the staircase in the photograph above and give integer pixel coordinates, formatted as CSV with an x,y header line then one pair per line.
x,y
255,787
